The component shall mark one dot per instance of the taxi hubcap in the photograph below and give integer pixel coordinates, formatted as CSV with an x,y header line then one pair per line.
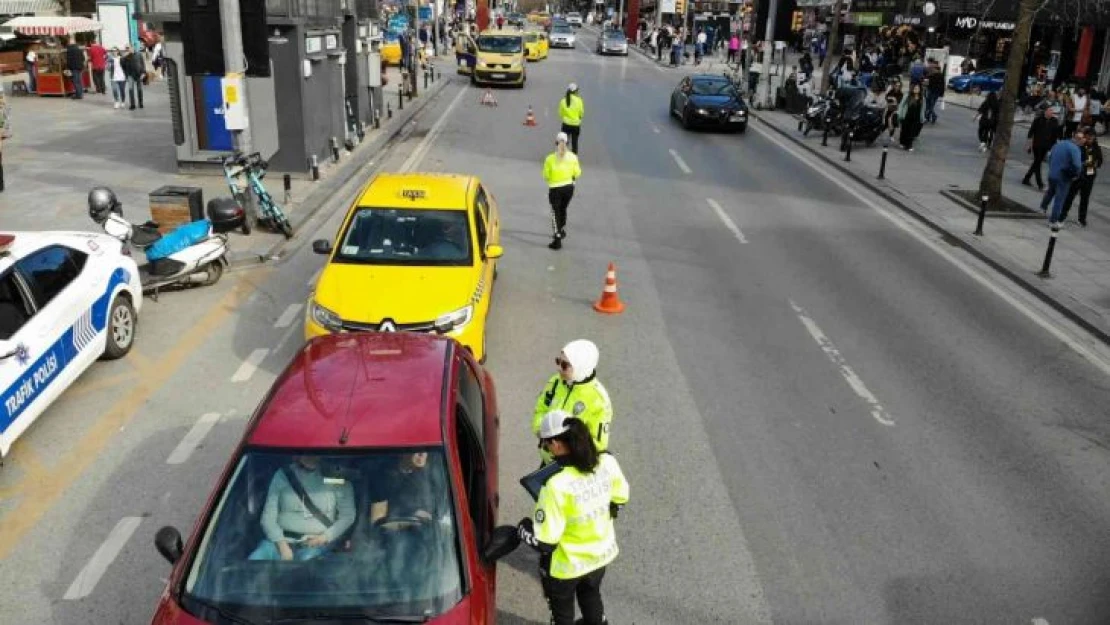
x,y
122,326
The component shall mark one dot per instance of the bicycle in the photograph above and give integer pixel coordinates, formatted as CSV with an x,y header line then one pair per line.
x,y
254,167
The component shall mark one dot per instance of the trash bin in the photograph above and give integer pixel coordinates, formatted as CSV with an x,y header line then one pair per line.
x,y
172,206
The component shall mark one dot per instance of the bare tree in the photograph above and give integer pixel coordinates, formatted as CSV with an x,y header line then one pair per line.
x,y
834,35
991,183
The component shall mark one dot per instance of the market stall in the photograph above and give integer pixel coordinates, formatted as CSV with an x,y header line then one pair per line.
x,y
51,63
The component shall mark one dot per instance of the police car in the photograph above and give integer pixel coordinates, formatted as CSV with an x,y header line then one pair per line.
x,y
66,299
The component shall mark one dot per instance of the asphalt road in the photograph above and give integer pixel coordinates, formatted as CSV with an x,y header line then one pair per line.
x,y
826,415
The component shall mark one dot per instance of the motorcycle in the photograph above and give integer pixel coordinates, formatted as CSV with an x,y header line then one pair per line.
x,y
823,111
864,123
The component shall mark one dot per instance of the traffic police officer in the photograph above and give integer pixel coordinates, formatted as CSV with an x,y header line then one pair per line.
x,y
576,390
560,170
572,525
571,110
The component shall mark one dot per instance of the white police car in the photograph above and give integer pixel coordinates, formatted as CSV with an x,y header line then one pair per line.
x,y
66,299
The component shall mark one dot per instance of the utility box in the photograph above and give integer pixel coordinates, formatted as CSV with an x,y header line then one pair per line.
x,y
172,206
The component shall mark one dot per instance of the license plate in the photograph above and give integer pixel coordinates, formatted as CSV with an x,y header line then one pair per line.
x,y
497,75
736,118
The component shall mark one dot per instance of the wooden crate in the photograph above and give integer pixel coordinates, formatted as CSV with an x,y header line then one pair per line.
x,y
174,206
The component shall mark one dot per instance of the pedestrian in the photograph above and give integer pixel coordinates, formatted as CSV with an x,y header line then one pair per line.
x,y
75,68
893,101
1043,134
699,46
676,49
911,116
572,525
119,79
30,63
571,110
1092,161
560,170
135,71
734,48
156,60
1078,108
1065,163
98,59
988,120
934,90
576,389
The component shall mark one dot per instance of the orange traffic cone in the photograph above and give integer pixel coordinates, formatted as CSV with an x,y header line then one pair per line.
x,y
529,119
610,303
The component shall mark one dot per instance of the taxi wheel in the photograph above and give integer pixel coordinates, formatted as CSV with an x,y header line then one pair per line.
x,y
121,328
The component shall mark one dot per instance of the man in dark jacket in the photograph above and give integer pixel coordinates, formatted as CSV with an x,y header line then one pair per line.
x,y
1065,164
75,64
934,90
1043,133
1092,160
134,69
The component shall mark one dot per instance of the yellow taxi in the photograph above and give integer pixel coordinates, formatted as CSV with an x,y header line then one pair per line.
x,y
500,58
415,253
391,49
535,45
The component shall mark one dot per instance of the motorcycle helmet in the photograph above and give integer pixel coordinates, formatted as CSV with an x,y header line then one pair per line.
x,y
102,202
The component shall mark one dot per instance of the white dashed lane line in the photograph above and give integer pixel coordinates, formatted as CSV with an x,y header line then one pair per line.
x,y
315,277
681,163
246,370
288,316
731,225
854,381
89,576
193,438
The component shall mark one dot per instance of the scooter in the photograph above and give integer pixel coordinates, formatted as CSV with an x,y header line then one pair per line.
x,y
197,252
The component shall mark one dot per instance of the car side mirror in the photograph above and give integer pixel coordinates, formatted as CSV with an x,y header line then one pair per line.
x,y
494,251
168,543
321,246
504,540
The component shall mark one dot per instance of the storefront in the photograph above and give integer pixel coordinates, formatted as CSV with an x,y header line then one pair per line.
x,y
51,69
986,41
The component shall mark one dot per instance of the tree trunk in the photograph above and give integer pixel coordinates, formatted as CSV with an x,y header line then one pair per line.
x,y
834,36
991,183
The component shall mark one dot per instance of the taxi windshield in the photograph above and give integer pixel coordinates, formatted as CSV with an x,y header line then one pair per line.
x,y
314,535
531,37
391,236
561,29
500,44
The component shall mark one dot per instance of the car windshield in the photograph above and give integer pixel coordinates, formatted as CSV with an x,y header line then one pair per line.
x,y
501,44
561,30
713,87
615,36
391,549
531,37
391,236
574,14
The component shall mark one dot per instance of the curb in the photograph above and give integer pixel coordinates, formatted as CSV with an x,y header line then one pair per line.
x,y
347,169
950,237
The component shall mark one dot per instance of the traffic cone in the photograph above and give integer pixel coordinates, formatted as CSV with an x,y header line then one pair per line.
x,y
488,99
610,303
529,119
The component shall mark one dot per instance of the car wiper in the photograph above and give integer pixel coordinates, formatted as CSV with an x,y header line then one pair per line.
x,y
223,614
353,616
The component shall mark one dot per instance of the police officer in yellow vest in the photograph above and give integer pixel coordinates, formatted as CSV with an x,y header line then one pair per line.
x,y
576,390
571,110
560,170
572,525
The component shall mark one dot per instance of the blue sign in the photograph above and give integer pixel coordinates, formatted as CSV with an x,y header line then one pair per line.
x,y
398,23
425,13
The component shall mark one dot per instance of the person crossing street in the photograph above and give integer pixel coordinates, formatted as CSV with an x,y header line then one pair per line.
x,y
571,110
576,389
560,170
572,525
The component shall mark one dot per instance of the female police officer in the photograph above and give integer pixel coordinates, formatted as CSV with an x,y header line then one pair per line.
x,y
560,170
576,389
573,521
571,110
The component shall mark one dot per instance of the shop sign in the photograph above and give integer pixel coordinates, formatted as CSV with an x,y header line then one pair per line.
x,y
867,19
970,22
907,20
331,42
312,45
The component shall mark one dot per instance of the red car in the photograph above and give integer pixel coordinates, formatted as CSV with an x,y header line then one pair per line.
x,y
365,489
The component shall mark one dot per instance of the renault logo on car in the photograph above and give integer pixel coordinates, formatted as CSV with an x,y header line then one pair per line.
x,y
387,326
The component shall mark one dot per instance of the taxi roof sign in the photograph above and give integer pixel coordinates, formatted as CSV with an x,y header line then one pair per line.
x,y
414,194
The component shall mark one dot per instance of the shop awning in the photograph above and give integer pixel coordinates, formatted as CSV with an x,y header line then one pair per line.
x,y
57,26
22,7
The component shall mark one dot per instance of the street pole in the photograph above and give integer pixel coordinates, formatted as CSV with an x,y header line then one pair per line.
x,y
419,47
766,93
620,15
231,35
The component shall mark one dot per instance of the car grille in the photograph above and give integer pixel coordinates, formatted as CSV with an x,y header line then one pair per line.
x,y
358,326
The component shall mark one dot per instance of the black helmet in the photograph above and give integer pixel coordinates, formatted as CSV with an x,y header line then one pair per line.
x,y
102,202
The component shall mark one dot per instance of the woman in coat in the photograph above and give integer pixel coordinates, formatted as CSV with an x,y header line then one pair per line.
x,y
988,120
911,116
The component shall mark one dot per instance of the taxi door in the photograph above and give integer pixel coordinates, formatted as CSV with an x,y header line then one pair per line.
x,y
466,53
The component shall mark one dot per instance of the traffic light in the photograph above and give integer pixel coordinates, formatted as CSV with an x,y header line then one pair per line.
x,y
680,7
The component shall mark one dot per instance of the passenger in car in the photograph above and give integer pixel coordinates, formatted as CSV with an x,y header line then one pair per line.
x,y
408,495
305,512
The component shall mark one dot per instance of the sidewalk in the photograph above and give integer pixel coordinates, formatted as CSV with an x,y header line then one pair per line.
x,y
947,158
61,148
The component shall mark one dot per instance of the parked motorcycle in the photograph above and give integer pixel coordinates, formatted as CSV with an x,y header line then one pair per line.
x,y
191,254
864,123
823,111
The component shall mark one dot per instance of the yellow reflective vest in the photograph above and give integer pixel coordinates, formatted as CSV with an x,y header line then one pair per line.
x,y
588,401
559,172
572,114
572,513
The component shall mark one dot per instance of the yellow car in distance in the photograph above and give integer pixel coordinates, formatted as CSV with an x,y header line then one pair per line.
x,y
500,58
391,49
415,253
535,45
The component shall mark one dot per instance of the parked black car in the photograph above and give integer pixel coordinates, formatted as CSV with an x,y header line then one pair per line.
x,y
711,101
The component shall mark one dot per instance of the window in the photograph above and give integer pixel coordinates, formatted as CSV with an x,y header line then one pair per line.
x,y
14,308
481,216
50,270
390,236
470,396
470,459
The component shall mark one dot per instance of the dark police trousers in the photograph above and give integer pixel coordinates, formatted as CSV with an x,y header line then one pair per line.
x,y
560,200
572,134
561,593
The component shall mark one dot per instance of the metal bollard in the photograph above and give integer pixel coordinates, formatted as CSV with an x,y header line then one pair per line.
x,y
848,148
335,149
825,135
401,95
882,164
982,215
425,80
314,165
287,183
801,125
388,110
1044,273
378,120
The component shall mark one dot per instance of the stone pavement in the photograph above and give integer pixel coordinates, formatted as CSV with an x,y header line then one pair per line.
x,y
947,158
60,148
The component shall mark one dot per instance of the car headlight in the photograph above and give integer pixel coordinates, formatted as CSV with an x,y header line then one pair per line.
x,y
455,320
326,318
703,112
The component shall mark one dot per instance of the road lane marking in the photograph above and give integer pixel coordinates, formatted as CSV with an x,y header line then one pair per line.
x,y
288,316
681,163
48,487
731,225
82,387
837,359
1040,621
193,438
89,576
654,128
315,277
293,330
902,221
426,144
250,365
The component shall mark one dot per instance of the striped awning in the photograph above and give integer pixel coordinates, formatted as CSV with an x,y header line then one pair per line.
x,y
58,26
22,7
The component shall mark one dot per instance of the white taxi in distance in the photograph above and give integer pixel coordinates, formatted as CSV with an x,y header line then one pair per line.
x,y
66,299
